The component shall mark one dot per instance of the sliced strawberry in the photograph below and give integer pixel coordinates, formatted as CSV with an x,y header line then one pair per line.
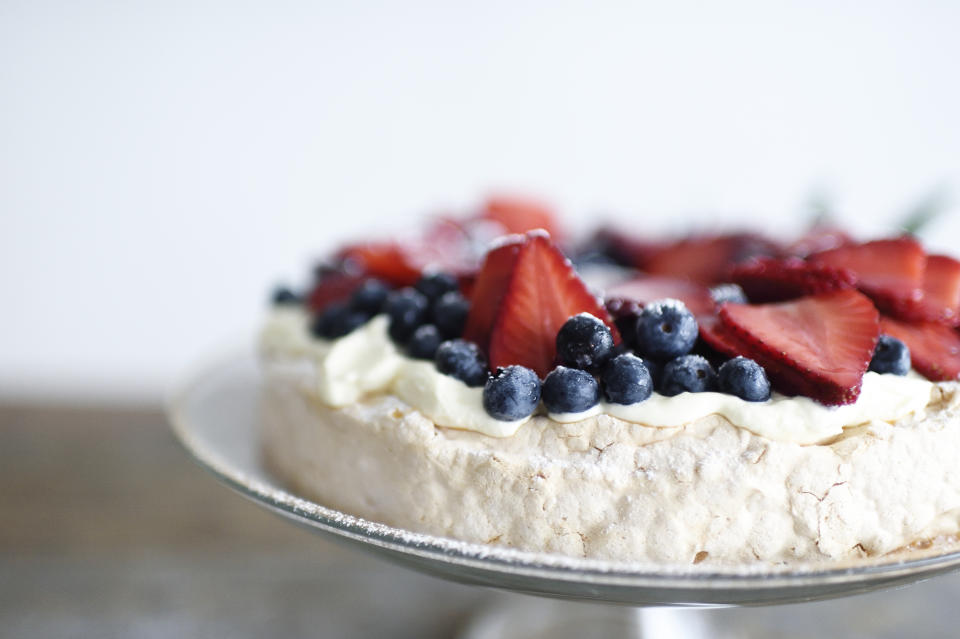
x,y
388,261
818,346
934,348
532,289
718,337
941,290
708,260
333,287
766,279
490,287
623,248
889,271
648,288
518,215
443,246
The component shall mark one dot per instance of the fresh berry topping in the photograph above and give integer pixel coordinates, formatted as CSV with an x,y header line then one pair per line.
x,y
584,342
719,338
388,261
818,346
490,288
370,296
334,287
772,280
436,284
570,390
625,313
891,356
688,374
889,271
449,313
651,288
723,293
934,348
744,378
525,292
516,215
463,360
443,246
336,321
424,342
623,248
512,394
666,329
407,309
283,296
626,380
941,290
586,260
656,371
708,259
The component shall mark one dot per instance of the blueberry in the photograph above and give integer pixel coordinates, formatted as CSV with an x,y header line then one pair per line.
x,y
666,329
463,360
688,374
513,393
424,342
744,378
436,284
656,371
626,380
283,296
890,356
370,296
591,258
723,293
625,313
584,342
570,390
449,313
407,309
337,320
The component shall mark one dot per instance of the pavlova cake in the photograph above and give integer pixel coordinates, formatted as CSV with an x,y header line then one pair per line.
x,y
722,398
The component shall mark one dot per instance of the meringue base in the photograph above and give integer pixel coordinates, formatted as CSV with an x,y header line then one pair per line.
x,y
608,489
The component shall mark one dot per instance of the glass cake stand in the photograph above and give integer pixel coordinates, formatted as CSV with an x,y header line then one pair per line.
x,y
215,416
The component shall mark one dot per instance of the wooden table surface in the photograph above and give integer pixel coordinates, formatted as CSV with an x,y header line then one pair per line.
x,y
107,529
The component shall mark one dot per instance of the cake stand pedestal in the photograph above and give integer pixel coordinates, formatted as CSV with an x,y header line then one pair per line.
x,y
215,416
522,617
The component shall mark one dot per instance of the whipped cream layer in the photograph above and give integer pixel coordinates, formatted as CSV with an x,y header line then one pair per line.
x,y
366,362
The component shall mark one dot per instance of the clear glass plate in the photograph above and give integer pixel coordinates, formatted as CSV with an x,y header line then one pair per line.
x,y
215,416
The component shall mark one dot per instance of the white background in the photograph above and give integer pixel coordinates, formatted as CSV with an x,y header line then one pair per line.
x,y
163,163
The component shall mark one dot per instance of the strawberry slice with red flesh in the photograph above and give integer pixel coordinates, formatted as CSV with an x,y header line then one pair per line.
x,y
715,335
889,271
624,248
490,287
708,260
934,348
818,346
543,292
519,215
771,280
724,341
443,246
333,287
388,261
649,288
941,291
